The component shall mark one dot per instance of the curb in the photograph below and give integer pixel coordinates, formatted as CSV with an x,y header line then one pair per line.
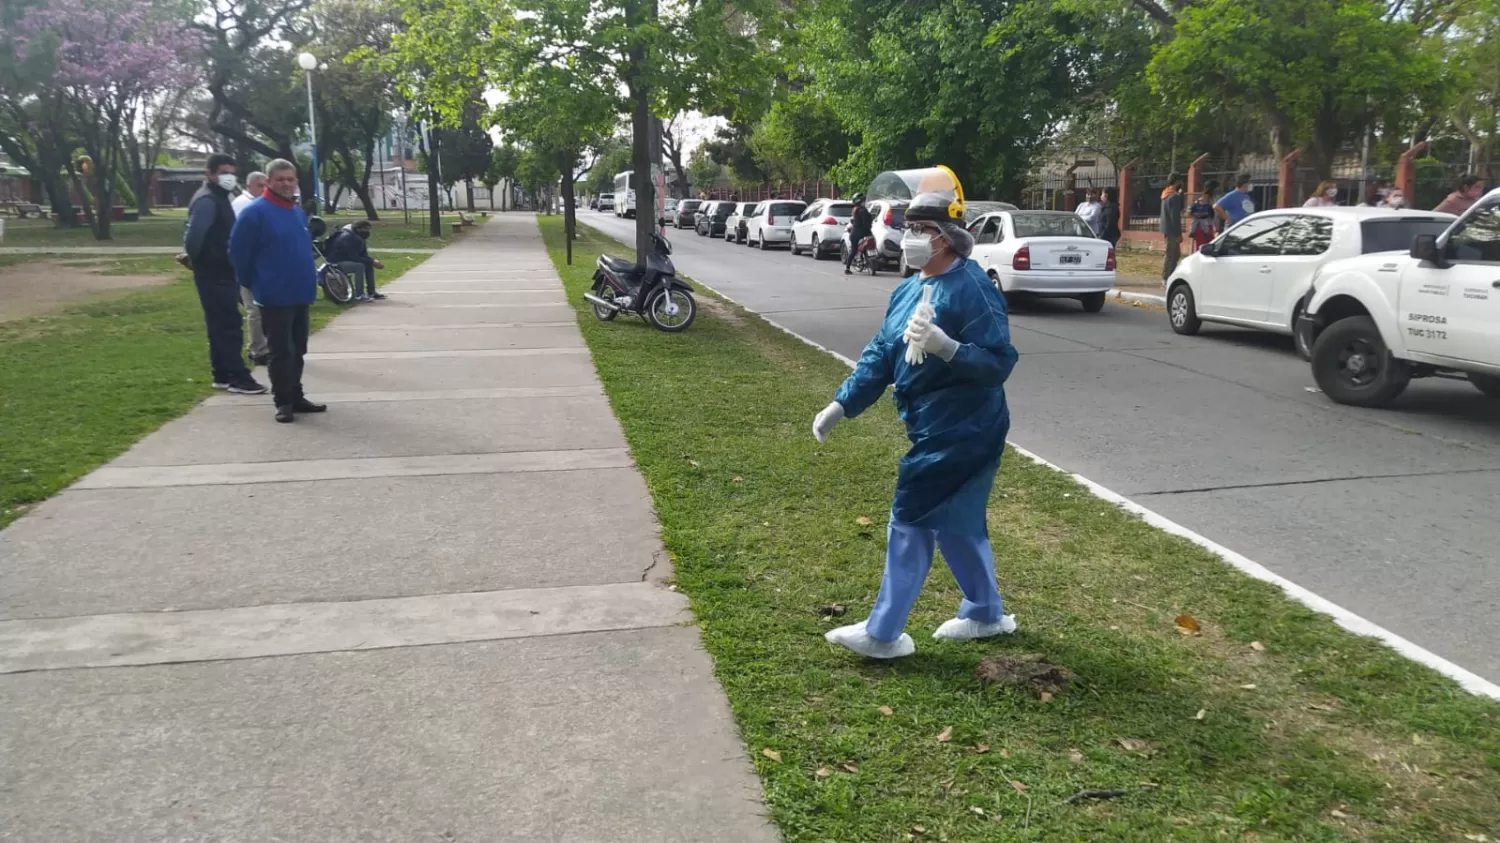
x,y
1143,298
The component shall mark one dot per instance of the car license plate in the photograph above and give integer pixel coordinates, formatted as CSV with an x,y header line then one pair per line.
x,y
1073,259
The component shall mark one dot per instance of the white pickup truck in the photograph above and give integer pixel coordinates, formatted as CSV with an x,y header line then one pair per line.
x,y
1377,321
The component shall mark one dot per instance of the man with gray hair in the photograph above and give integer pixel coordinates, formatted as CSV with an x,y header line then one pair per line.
x,y
260,354
273,259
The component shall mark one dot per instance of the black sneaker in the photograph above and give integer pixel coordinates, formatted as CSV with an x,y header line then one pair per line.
x,y
221,385
378,296
284,413
302,405
247,386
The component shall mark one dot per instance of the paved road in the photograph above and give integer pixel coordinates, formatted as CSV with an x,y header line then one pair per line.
x,y
145,250
1389,513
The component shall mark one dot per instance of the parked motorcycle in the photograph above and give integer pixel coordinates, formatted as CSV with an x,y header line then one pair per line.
x,y
653,292
867,258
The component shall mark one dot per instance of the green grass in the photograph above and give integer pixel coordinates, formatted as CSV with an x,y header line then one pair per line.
x,y
79,387
165,229
1338,739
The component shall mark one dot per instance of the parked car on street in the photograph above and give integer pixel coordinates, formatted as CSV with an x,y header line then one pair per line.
x,y
1257,274
889,217
772,222
668,210
1044,254
606,202
975,210
820,228
711,218
735,224
1377,321
594,204
687,213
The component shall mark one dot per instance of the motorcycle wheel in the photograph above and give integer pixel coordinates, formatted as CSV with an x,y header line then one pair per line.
x,y
337,287
671,310
602,313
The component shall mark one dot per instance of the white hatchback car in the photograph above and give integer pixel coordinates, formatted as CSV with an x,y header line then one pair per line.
x,y
820,228
1046,254
734,227
772,222
1257,274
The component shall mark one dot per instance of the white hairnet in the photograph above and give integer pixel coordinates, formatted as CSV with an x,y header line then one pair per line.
x,y
958,237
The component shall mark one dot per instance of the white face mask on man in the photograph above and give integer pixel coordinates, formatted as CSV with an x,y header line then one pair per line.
x,y
228,181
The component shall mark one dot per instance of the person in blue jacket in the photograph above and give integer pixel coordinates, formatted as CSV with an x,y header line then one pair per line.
x,y
272,255
953,404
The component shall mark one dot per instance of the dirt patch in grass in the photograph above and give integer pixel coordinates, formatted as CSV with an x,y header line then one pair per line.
x,y
40,287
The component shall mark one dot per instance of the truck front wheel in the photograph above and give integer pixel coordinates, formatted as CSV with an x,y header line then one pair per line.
x,y
1488,384
1352,365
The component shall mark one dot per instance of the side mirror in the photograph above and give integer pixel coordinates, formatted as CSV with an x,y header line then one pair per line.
x,y
1210,250
1424,248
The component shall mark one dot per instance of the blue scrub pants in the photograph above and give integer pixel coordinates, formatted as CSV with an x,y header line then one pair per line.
x,y
908,558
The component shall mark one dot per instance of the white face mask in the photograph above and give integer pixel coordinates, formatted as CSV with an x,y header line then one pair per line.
x,y
228,181
1331,192
918,249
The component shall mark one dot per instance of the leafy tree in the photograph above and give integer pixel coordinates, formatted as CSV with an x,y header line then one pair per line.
x,y
107,57
35,131
354,96
614,157
503,163
702,169
801,138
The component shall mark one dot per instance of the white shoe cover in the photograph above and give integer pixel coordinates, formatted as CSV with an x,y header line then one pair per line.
x,y
855,638
964,629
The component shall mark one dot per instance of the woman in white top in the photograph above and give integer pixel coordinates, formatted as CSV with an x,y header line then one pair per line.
x,y
1325,196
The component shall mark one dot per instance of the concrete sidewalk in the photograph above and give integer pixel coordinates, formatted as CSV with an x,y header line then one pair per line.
x,y
433,613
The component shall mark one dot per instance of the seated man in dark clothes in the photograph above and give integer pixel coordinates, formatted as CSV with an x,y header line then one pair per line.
x,y
348,251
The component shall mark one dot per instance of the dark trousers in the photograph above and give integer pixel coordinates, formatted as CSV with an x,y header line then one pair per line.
x,y
854,241
1174,254
286,333
220,297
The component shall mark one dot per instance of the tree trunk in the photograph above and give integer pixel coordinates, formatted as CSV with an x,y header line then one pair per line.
x,y
434,215
568,219
469,189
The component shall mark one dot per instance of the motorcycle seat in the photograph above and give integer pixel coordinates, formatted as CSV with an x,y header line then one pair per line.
x,y
620,265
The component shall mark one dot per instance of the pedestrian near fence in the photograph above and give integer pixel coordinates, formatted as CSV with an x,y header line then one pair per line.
x,y
206,247
1172,201
272,254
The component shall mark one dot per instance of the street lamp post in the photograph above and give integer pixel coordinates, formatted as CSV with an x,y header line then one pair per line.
x,y
309,62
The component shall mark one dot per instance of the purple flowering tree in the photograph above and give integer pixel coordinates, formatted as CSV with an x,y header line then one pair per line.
x,y
110,56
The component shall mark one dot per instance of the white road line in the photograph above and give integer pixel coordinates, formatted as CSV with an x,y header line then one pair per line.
x,y
1468,680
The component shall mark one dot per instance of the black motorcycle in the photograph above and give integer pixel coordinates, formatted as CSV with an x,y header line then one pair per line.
x,y
653,292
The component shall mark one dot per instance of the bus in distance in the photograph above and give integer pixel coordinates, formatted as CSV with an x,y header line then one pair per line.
x,y
625,194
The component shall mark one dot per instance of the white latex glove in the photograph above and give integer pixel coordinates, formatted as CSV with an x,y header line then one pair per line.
x,y
922,333
824,421
914,353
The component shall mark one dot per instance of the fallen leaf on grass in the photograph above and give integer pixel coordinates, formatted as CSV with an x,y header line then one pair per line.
x,y
1477,838
917,829
1257,646
980,749
1338,815
833,610
976,809
1075,756
863,521
1133,744
1202,713
1321,707
693,463
1188,625
1020,788
738,480
886,710
1045,696
945,735
1004,753
850,767
771,754
823,772
1248,686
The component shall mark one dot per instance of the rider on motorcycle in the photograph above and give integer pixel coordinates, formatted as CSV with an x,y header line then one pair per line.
x,y
860,227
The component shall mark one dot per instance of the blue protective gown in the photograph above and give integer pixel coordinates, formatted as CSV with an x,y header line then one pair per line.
x,y
957,419
955,411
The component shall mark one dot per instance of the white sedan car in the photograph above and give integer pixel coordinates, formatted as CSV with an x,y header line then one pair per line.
x,y
1257,274
820,228
1046,254
772,222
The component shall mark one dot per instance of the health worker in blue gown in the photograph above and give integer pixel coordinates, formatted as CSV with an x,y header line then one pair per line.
x,y
953,404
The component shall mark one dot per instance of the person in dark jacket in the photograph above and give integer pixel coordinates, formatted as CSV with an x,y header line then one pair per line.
x,y
1171,224
347,249
1109,217
861,225
272,254
206,247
